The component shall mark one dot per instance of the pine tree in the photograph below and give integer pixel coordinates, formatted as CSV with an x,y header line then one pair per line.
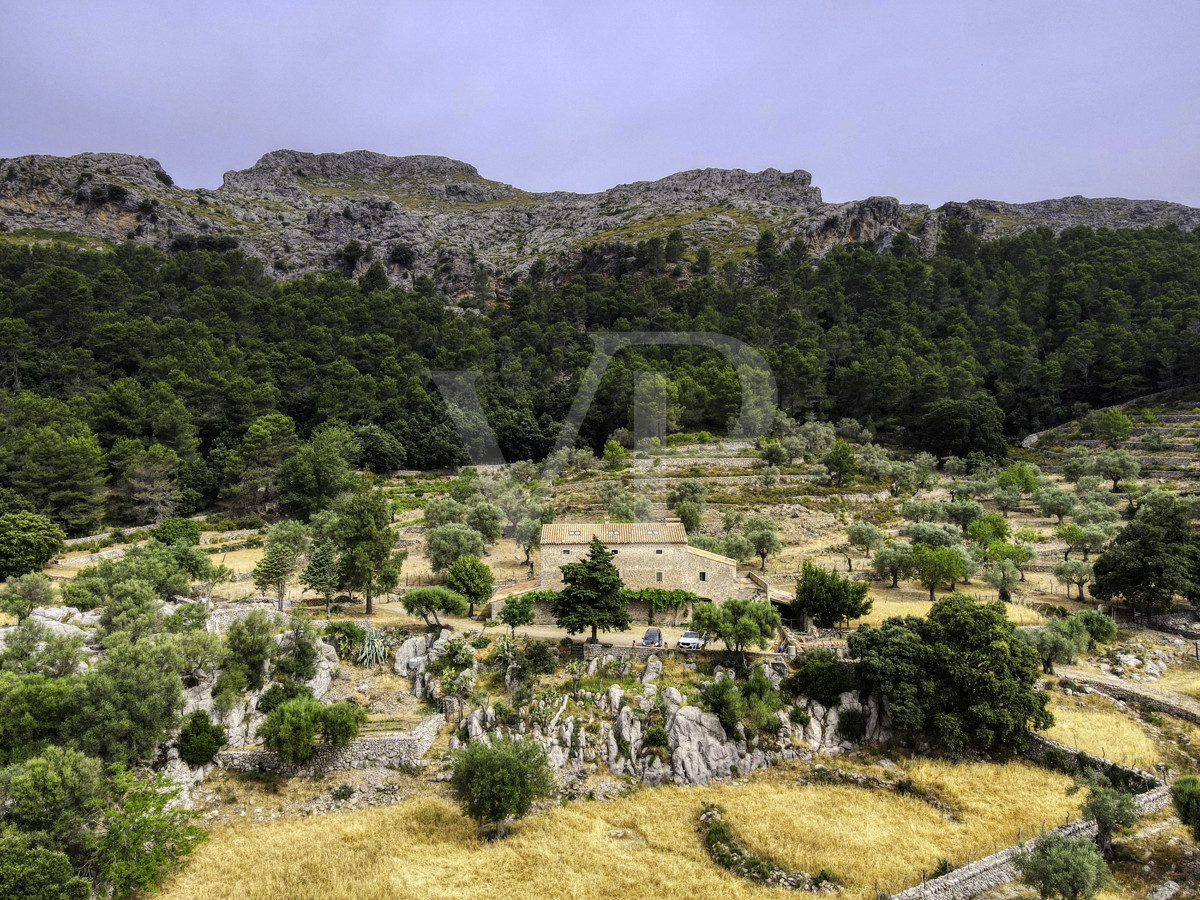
x,y
592,596
471,577
364,534
273,571
323,573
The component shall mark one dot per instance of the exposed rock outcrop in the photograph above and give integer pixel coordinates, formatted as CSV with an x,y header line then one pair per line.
x,y
430,215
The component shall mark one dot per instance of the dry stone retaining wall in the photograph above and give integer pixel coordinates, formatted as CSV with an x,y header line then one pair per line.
x,y
997,869
395,750
1129,695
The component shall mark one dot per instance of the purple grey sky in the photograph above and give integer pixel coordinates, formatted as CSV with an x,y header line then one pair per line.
x,y
925,101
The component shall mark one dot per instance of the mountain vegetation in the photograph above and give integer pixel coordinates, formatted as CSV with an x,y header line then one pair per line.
x,y
137,384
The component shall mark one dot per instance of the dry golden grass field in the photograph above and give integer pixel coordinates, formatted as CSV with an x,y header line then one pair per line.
x,y
642,845
1095,726
887,602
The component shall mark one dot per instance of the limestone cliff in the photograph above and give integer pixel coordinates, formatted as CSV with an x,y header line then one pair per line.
x,y
437,216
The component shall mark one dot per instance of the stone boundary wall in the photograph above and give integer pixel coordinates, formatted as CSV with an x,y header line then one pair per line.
x,y
1039,744
997,869
113,553
716,648
1130,695
396,750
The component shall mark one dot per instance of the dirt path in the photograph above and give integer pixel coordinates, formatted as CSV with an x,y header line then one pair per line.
x,y
394,611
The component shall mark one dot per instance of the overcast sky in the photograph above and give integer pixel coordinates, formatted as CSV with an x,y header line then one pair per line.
x,y
925,101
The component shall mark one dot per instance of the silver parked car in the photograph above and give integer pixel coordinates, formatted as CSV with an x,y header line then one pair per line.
x,y
690,640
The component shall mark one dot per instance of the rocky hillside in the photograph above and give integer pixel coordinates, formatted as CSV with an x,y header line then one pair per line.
x,y
437,216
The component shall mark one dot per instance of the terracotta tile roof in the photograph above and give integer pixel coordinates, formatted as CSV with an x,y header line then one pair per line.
x,y
615,533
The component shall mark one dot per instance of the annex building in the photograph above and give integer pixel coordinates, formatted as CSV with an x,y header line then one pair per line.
x,y
647,554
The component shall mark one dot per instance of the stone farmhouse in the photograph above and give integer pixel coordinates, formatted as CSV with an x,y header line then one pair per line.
x,y
647,554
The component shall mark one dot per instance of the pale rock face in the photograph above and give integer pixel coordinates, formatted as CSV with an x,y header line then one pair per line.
x,y
653,670
62,629
672,700
294,210
54,613
411,649
700,751
615,696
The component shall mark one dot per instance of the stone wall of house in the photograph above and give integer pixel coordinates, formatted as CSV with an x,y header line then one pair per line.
x,y
641,565
393,750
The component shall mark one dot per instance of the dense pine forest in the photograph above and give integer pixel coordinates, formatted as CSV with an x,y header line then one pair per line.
x,y
136,383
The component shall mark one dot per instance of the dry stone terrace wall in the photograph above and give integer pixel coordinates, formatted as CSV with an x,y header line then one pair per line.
x,y
393,750
1129,695
997,869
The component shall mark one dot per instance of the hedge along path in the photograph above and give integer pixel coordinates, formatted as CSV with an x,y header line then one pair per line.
x,y
642,845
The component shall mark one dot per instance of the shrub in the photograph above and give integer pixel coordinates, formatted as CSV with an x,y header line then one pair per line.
x,y
291,729
342,792
727,703
1058,761
481,642
250,646
340,722
760,717
173,530
1069,868
501,780
297,654
281,692
346,634
656,736
852,724
36,873
200,739
146,835
539,659
821,677
1185,795
53,795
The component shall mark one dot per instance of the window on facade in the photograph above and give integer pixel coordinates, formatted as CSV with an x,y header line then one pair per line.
x,y
659,552
658,576
574,533
566,553
704,576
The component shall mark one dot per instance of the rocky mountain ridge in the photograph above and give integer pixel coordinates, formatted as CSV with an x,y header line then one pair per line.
x,y
431,215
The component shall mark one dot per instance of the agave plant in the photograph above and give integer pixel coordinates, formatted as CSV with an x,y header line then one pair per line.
x,y
374,649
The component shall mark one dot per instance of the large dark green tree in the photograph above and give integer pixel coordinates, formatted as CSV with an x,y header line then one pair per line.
x,y
27,543
363,533
961,676
828,598
1153,560
470,576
